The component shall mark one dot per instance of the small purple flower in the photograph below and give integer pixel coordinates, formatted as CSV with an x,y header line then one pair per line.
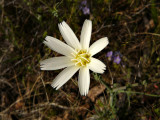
x,y
84,2
86,10
114,56
84,7
117,53
117,59
109,55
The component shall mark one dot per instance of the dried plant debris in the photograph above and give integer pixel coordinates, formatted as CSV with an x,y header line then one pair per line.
x,y
95,91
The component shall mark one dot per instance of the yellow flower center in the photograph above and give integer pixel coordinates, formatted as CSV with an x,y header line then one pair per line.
x,y
81,58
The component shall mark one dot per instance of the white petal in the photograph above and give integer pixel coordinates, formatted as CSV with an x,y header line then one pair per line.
x,y
64,76
56,63
97,66
98,46
86,34
84,80
58,46
69,35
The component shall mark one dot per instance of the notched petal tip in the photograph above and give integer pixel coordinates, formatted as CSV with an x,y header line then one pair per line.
x,y
85,93
52,85
56,63
63,23
87,20
59,25
47,38
45,42
99,45
86,34
42,62
101,72
41,66
106,41
68,35
84,81
64,76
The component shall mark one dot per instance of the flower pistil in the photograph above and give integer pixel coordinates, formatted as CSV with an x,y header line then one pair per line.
x,y
81,58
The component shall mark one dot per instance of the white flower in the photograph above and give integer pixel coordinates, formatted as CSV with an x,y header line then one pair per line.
x,y
77,56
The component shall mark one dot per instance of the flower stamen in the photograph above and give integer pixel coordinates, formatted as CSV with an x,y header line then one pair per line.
x,y
82,58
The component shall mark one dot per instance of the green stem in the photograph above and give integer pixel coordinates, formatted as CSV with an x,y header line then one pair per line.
x,y
122,91
105,84
133,92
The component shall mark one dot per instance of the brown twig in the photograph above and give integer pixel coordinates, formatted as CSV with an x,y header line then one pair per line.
x,y
140,11
39,107
145,33
44,88
14,103
102,27
20,61
3,80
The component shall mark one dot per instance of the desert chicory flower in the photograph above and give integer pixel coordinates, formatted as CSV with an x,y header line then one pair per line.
x,y
77,56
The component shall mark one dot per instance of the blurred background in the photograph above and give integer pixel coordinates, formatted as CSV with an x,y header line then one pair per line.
x,y
128,90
